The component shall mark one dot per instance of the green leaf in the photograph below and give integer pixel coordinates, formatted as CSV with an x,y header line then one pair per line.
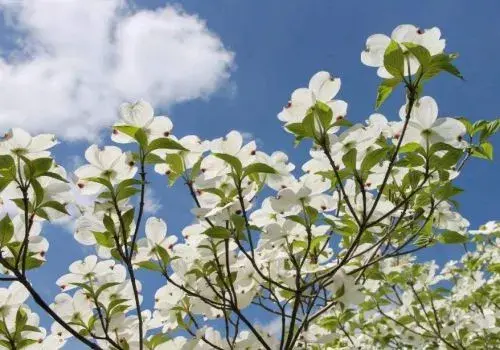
x,y
425,234
172,178
195,170
412,179
4,182
126,193
25,343
309,124
372,158
163,253
441,146
39,192
6,230
55,176
478,126
165,143
42,213
343,122
467,124
452,237
218,232
231,160
6,161
158,339
127,183
439,63
116,302
450,159
127,130
297,218
141,137
175,163
324,113
56,206
32,263
296,128
108,223
411,147
385,89
349,159
218,192
20,204
259,168
29,328
483,151
446,191
116,254
102,181
152,158
411,160
119,310
104,239
41,166
149,265
128,217
104,287
421,54
394,59
238,222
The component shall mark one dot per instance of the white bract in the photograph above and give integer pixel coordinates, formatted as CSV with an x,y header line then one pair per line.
x,y
376,44
323,87
19,142
110,163
141,115
426,128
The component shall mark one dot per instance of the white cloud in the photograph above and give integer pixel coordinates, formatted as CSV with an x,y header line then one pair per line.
x,y
78,60
273,327
151,203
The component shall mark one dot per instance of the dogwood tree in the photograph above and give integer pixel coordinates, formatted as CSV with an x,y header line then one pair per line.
x,y
328,250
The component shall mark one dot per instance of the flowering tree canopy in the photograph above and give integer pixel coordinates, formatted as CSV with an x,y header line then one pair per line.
x,y
328,251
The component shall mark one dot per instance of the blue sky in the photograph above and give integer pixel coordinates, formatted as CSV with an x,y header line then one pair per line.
x,y
278,45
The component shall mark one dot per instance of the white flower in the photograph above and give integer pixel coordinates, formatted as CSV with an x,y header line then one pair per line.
x,y
141,115
425,127
109,163
195,148
352,292
73,308
19,142
357,137
379,122
323,87
232,144
156,235
37,245
487,229
12,297
83,271
376,45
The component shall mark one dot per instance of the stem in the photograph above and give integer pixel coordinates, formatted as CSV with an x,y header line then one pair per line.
x,y
137,304
141,206
411,101
40,302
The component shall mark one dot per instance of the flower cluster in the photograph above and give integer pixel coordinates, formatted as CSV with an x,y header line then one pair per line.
x,y
329,248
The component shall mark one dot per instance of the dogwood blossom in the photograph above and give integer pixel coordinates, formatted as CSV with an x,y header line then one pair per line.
x,y
110,163
376,44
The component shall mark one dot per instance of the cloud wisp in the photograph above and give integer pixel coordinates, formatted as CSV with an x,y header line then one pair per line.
x,y
76,61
